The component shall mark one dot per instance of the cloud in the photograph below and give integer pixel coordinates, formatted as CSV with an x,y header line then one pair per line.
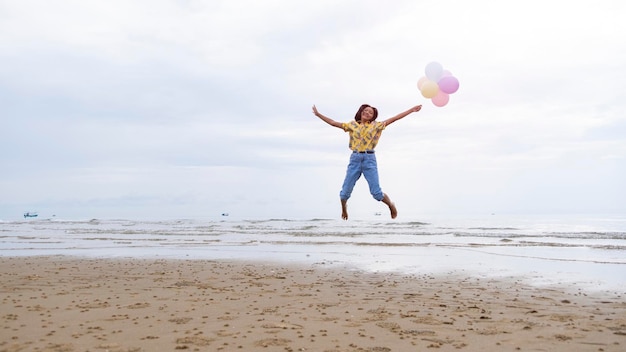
x,y
187,105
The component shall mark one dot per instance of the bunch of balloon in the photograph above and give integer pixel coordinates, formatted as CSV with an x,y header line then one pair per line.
x,y
438,84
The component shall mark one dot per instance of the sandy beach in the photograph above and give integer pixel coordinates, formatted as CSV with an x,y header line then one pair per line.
x,y
64,303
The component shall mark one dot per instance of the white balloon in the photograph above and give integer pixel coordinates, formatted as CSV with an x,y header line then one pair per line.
x,y
434,70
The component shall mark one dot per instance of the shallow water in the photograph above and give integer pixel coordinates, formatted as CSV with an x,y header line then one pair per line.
x,y
587,252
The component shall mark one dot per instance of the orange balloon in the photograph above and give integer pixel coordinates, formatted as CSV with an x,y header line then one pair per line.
x,y
420,83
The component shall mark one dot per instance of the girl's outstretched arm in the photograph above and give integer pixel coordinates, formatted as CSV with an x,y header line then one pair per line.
x,y
391,120
328,120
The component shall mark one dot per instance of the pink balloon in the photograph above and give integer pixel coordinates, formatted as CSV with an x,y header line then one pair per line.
x,y
421,82
448,84
445,73
441,99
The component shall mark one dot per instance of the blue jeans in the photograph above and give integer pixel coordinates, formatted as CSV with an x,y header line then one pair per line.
x,y
362,163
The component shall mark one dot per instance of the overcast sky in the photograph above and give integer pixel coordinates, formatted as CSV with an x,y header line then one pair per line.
x,y
187,109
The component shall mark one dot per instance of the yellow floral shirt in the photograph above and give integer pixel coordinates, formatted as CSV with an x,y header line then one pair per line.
x,y
363,136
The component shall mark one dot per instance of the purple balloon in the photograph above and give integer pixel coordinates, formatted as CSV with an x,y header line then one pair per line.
x,y
448,84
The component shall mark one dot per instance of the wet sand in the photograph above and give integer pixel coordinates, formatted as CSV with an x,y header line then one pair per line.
x,y
62,303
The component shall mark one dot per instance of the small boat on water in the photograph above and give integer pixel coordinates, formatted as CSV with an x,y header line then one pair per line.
x,y
30,214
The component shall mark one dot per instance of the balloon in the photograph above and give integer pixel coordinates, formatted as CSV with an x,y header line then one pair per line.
x,y
420,83
441,99
448,84
438,84
430,89
434,71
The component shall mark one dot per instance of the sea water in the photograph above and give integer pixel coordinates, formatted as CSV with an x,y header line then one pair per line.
x,y
579,251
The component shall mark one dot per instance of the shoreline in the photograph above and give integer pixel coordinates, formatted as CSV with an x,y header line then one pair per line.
x,y
65,303
585,253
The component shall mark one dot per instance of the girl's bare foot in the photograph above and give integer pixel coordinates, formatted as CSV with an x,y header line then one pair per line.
x,y
391,205
394,211
344,209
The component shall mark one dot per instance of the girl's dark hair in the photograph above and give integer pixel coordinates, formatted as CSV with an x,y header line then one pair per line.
x,y
357,117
